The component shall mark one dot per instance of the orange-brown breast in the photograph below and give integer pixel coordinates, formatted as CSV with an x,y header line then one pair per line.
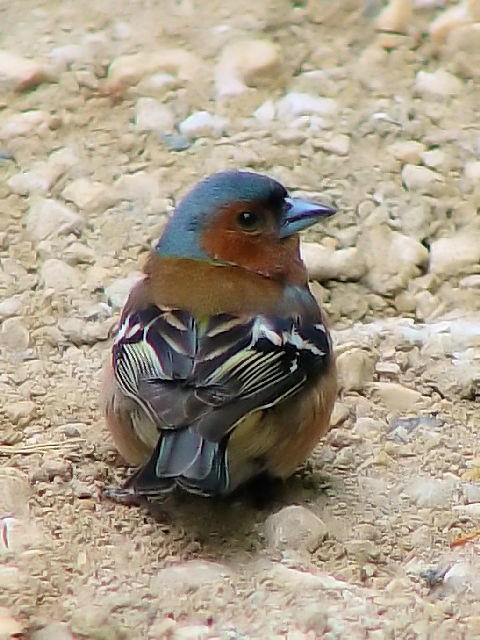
x,y
204,288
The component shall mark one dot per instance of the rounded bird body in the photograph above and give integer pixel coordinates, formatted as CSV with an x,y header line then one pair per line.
x,y
222,368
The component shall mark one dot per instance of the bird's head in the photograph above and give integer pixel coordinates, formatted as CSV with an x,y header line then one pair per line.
x,y
240,218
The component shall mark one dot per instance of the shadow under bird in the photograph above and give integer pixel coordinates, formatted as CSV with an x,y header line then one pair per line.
x,y
222,368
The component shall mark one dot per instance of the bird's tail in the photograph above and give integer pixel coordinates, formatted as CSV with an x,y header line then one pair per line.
x,y
183,458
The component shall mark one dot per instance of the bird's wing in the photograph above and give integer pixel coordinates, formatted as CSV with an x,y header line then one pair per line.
x,y
207,375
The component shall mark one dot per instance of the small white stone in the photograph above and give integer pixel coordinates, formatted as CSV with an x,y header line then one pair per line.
x,y
20,412
78,253
246,63
468,281
440,83
128,70
447,21
47,218
54,631
89,196
265,113
405,257
26,182
157,84
295,527
19,74
22,124
418,178
395,396
140,186
151,115
431,492
459,253
472,171
338,144
355,369
407,151
203,124
62,57
191,632
117,292
301,104
10,306
395,17
434,158
325,263
15,334
188,576
59,276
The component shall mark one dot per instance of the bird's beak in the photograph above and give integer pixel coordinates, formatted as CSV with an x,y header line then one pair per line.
x,y
301,214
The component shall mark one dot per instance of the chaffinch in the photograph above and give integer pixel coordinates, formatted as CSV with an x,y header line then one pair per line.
x,y
222,367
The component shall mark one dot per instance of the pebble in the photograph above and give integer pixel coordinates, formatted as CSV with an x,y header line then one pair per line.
x,y
141,185
407,151
175,141
79,332
11,306
265,113
51,469
10,627
431,492
470,510
447,21
325,263
47,217
118,291
59,275
434,158
24,124
128,70
54,631
395,396
89,196
27,182
471,492
405,257
20,74
472,171
202,124
355,369
78,253
338,144
20,412
295,527
244,64
152,115
440,83
340,413
468,281
456,254
188,576
191,632
419,178
14,335
463,576
302,104
157,84
395,17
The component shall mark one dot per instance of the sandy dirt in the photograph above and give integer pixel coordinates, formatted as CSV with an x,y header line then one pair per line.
x,y
378,548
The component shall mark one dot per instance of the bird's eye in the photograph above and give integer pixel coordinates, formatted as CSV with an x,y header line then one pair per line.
x,y
248,220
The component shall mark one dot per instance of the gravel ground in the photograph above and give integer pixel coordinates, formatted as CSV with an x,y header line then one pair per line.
x,y
109,112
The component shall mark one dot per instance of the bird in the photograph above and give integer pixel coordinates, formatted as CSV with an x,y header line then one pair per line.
x,y
222,369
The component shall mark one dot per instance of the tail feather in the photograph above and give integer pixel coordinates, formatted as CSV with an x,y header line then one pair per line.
x,y
184,458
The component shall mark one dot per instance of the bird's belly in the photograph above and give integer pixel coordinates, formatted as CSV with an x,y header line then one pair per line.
x,y
278,440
